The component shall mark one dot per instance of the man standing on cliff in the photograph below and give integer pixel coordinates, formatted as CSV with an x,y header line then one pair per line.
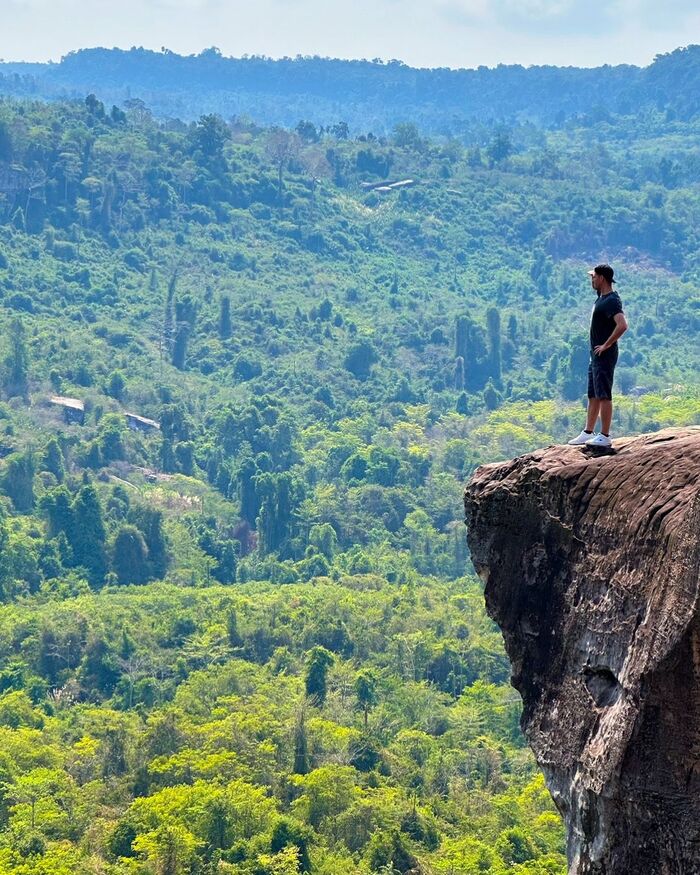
x,y
608,324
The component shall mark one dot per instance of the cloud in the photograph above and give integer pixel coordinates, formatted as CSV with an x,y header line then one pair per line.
x,y
569,16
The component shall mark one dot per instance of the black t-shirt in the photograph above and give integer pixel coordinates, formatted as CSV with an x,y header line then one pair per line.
x,y
603,318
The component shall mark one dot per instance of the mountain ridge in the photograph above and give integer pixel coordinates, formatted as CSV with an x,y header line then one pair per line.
x,y
439,100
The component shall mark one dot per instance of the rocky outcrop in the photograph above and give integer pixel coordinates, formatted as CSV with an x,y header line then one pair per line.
x,y
591,567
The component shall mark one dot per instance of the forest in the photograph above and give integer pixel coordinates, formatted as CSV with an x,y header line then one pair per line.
x,y
368,95
246,372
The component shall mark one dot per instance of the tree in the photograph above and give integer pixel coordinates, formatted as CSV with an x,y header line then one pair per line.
x,y
340,130
281,147
328,791
55,505
232,633
407,136
171,847
274,492
116,385
16,377
99,668
41,784
225,318
360,358
248,493
366,693
459,373
111,438
52,460
389,852
318,663
467,347
184,456
87,535
302,764
307,131
185,319
18,480
501,147
149,521
210,135
492,398
493,323
316,165
324,538
130,556
290,832
225,569
169,315
514,846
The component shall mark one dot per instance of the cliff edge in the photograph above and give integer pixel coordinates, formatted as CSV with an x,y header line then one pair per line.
x,y
591,567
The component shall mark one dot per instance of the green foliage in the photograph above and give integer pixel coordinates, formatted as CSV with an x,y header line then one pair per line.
x,y
360,358
87,534
52,460
18,480
318,663
16,372
130,561
317,686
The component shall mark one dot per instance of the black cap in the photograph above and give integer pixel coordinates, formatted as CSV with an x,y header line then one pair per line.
x,y
605,271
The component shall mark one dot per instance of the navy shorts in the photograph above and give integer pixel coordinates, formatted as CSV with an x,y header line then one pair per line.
x,y
600,374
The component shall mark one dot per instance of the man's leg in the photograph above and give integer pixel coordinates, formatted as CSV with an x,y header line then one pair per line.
x,y
606,411
594,408
593,402
603,375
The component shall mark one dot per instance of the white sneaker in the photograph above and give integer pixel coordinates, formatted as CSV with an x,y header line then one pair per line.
x,y
599,440
581,439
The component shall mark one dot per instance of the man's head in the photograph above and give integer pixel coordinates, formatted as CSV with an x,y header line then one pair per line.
x,y
602,278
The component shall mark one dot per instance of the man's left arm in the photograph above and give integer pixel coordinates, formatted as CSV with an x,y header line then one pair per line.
x,y
620,328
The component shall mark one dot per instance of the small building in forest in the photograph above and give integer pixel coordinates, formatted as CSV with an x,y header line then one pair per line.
x,y
73,408
388,184
141,423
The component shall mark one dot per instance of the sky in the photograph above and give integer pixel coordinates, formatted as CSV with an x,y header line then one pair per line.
x,y
423,33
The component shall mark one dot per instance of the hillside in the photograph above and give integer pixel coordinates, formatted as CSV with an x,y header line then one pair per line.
x,y
367,95
246,372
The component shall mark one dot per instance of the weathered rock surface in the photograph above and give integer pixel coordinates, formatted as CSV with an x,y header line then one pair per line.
x,y
592,571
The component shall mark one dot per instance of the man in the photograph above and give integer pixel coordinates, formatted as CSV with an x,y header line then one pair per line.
x,y
608,324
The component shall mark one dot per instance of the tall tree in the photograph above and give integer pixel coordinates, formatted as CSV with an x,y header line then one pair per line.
x,y
18,480
281,147
493,325
169,314
225,318
52,460
16,380
149,521
185,318
319,661
130,556
366,693
210,135
302,763
88,535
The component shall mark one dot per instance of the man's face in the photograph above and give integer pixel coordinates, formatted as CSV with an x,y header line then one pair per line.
x,y
596,281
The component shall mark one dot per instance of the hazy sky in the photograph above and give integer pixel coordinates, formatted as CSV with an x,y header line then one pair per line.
x,y
430,33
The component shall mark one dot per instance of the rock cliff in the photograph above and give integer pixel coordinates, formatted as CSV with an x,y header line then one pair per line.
x,y
591,566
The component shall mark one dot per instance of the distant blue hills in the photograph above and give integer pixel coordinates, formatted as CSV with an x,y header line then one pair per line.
x,y
367,95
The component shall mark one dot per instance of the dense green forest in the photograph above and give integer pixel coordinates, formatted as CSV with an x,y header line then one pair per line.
x,y
246,372
367,95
